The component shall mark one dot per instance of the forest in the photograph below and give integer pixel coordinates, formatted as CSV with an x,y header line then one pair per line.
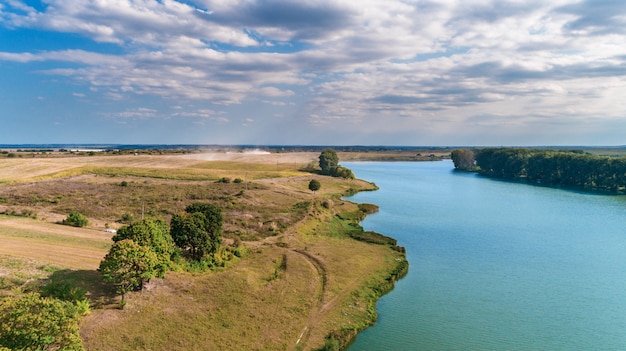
x,y
567,168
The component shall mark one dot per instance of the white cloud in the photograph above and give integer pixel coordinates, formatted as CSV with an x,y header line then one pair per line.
x,y
141,113
418,63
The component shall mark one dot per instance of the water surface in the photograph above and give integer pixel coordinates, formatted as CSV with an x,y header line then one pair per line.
x,y
496,265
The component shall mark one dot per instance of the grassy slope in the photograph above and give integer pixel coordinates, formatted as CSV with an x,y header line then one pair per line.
x,y
290,291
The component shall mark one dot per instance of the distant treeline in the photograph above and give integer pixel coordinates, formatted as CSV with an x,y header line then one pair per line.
x,y
568,168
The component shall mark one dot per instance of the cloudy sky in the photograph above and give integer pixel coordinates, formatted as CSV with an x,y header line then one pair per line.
x,y
317,72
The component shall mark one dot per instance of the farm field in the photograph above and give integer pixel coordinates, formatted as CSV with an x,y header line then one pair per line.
x,y
301,279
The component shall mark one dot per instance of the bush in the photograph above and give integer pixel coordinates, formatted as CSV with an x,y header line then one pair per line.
x,y
76,219
314,185
342,172
64,291
238,180
127,217
31,322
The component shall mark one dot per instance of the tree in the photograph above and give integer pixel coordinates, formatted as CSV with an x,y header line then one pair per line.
x,y
571,168
128,265
187,230
76,219
198,230
213,220
463,159
152,233
328,161
314,185
32,322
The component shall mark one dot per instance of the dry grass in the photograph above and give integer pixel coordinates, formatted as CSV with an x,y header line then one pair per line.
x,y
51,243
241,308
21,169
256,302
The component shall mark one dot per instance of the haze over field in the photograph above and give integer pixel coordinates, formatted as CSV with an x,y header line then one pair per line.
x,y
313,72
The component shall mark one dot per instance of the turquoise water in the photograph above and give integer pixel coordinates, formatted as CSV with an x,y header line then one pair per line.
x,y
496,265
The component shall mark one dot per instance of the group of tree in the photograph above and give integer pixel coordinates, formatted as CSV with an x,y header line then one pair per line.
x,y
569,168
148,248
329,164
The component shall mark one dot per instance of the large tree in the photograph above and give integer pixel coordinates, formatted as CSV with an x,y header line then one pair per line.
x,y
129,265
463,159
328,161
198,230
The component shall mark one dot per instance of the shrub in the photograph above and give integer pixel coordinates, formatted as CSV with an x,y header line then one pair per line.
x,y
76,219
127,217
342,172
64,291
314,185
31,322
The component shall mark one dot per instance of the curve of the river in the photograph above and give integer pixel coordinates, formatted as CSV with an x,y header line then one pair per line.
x,y
496,265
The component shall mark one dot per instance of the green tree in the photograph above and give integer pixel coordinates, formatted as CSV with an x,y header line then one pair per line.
x,y
76,219
571,168
314,185
129,265
31,322
153,233
213,220
188,232
328,161
198,230
463,159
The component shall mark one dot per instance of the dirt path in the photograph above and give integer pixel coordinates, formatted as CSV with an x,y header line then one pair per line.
x,y
324,307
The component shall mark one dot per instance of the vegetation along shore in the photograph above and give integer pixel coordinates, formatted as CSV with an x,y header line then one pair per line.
x,y
179,250
571,168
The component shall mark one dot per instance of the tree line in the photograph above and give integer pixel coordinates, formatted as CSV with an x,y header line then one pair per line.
x,y
569,168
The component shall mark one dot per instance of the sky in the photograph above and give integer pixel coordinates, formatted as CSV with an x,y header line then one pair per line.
x,y
313,72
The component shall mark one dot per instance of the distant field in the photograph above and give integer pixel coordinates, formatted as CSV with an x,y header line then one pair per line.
x,y
58,245
325,284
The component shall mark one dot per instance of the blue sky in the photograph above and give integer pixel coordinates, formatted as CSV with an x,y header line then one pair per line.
x,y
316,72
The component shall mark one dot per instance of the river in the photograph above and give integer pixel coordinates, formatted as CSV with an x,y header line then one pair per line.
x,y
496,265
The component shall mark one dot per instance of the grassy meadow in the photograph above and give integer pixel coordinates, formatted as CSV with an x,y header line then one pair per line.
x,y
303,282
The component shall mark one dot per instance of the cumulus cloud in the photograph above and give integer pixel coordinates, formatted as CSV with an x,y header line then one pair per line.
x,y
422,63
